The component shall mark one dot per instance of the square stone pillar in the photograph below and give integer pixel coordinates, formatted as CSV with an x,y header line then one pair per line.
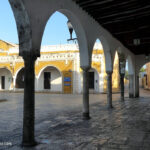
x,y
86,113
29,102
109,89
137,86
131,87
122,86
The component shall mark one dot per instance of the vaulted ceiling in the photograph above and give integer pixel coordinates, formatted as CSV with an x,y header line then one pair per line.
x,y
126,20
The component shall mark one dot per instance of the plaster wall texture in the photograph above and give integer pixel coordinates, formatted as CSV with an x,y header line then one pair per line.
x,y
55,80
148,76
8,79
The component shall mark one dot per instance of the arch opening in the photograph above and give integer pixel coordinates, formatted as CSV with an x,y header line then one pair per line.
x,y
93,81
5,79
20,79
64,52
144,77
120,66
97,71
115,74
50,79
8,42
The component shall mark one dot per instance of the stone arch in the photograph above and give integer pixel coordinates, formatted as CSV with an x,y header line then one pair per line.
x,y
46,67
19,79
18,72
107,52
51,79
5,78
80,33
96,46
121,54
121,59
7,69
141,64
95,79
115,74
144,78
23,26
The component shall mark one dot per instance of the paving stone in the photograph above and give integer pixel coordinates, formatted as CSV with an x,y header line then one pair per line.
x,y
60,127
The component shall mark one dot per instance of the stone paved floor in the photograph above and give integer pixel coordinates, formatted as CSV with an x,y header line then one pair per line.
x,y
59,125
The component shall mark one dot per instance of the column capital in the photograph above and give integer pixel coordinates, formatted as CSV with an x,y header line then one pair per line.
x,y
122,74
85,68
109,72
29,56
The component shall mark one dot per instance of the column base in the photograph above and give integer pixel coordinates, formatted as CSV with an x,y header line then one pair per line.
x,y
122,99
137,96
86,116
110,107
29,144
131,96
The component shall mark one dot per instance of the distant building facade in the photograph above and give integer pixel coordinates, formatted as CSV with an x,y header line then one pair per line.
x,y
146,78
57,70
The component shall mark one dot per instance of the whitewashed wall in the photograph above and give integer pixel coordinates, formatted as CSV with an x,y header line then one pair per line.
x,y
56,80
8,78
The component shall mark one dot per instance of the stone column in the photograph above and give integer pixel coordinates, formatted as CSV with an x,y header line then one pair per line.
x,y
36,84
29,104
109,89
131,88
122,86
137,86
86,115
14,83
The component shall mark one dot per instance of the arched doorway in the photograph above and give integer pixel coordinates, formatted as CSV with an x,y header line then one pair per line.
x,y
20,79
5,79
93,81
144,78
50,78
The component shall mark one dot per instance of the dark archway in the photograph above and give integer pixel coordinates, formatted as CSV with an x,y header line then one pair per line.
x,y
20,79
5,79
50,78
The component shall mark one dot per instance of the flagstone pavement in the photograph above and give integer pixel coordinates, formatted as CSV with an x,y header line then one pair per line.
x,y
59,124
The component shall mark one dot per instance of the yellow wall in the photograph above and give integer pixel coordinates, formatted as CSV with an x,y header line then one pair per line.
x,y
5,46
65,68
115,76
148,75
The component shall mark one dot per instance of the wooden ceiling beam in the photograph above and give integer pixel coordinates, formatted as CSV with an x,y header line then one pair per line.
x,y
134,17
84,2
133,12
126,20
131,31
115,6
96,3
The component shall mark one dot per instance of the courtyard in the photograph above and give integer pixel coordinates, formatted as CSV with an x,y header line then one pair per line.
x,y
59,124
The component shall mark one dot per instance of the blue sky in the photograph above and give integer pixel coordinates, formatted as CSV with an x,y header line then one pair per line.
x,y
56,31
